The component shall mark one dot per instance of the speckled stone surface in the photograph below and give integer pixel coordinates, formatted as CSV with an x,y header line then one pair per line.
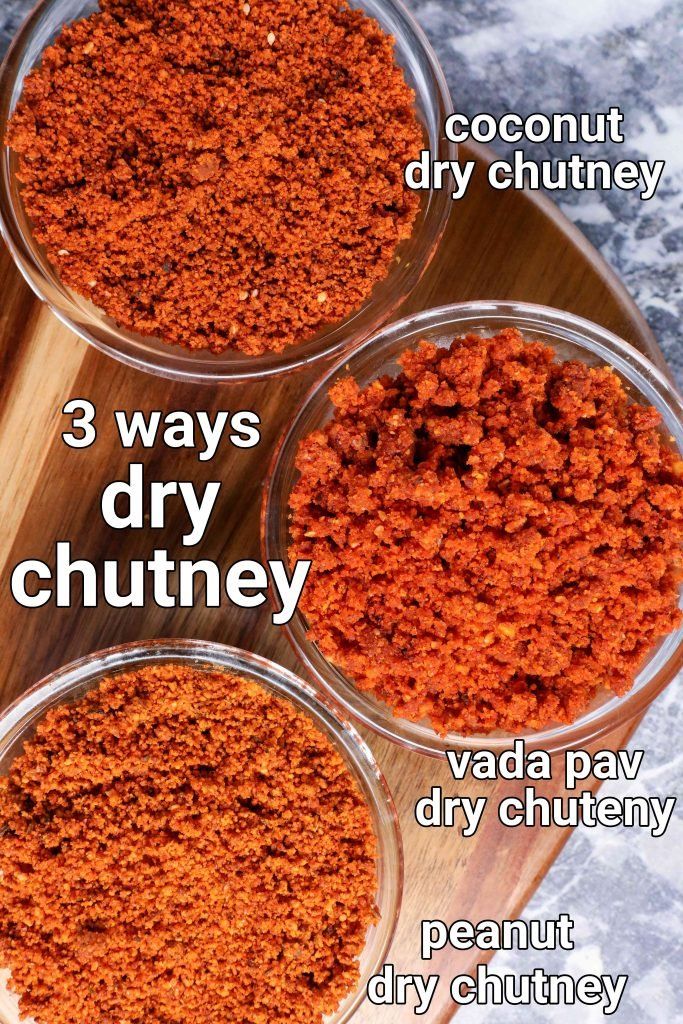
x,y
623,889
587,55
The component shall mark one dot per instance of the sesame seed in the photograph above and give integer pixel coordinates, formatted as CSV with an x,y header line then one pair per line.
x,y
271,38
243,295
322,297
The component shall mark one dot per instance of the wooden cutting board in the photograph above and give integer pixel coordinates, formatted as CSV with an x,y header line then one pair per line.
x,y
499,245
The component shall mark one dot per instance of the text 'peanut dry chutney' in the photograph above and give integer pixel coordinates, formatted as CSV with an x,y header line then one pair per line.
x,y
495,536
181,846
219,174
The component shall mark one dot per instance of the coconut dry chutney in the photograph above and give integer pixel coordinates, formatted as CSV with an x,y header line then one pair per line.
x,y
180,845
222,175
495,536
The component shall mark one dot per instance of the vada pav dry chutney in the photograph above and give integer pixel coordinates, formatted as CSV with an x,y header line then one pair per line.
x,y
495,535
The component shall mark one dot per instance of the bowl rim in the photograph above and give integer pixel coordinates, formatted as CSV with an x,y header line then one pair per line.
x,y
31,705
624,358
200,366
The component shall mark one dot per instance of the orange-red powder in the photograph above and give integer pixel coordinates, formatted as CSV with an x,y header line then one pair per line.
x,y
182,846
495,536
220,174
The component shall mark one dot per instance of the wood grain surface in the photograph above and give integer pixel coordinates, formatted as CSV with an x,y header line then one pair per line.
x,y
498,245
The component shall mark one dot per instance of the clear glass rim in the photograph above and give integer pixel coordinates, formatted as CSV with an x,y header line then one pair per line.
x,y
173,361
31,705
630,363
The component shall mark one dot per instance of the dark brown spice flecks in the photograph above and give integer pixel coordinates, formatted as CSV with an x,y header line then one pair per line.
x,y
222,175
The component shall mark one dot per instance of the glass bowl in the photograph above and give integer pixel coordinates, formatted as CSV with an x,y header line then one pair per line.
x,y
18,722
433,104
573,338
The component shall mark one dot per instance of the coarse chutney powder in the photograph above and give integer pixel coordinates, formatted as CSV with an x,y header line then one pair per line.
x,y
181,845
495,536
219,174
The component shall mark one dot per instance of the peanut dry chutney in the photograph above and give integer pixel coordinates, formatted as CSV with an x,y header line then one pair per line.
x,y
495,536
182,846
219,173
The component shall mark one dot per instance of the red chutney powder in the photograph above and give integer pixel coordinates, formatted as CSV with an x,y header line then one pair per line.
x,y
495,536
223,175
182,846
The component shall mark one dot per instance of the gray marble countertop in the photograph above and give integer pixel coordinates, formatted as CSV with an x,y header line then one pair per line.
x,y
624,889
